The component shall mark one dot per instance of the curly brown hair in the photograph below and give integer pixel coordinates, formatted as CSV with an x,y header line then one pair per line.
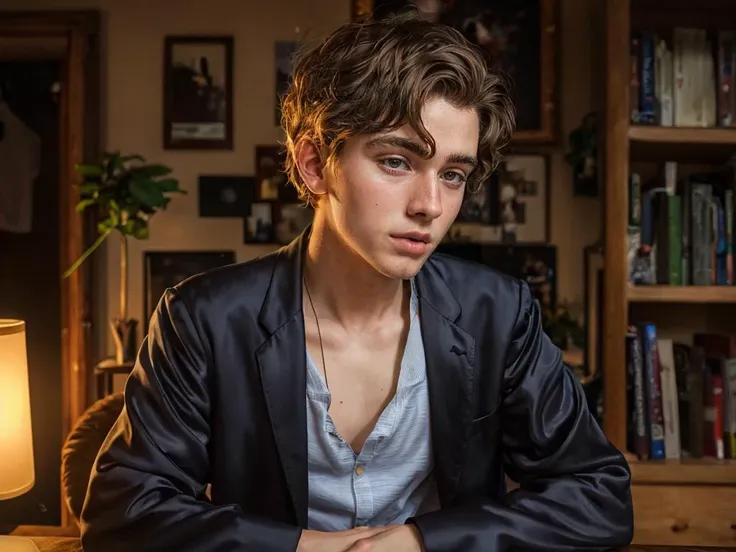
x,y
375,76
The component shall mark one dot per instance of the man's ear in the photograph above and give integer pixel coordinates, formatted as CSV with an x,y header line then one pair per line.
x,y
311,166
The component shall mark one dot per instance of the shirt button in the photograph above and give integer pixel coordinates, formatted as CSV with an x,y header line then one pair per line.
x,y
359,470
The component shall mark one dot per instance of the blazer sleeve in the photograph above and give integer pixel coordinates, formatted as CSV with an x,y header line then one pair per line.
x,y
147,488
574,489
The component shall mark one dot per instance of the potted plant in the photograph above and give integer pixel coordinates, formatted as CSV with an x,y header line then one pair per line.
x,y
126,191
583,156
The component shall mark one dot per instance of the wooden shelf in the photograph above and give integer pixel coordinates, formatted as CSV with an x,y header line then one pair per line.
x,y
682,143
684,472
681,294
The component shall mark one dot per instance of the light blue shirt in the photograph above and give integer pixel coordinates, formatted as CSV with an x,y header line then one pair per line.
x,y
391,479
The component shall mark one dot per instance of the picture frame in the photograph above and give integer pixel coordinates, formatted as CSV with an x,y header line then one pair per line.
x,y
528,55
512,206
165,269
198,92
259,226
271,179
225,195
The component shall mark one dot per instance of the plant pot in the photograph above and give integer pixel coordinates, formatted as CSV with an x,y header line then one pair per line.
x,y
124,334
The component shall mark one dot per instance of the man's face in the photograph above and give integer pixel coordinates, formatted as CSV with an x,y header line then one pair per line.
x,y
390,202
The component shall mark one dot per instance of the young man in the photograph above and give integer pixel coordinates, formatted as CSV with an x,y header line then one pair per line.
x,y
352,391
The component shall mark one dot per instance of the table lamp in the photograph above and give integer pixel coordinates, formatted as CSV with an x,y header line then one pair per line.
x,y
17,472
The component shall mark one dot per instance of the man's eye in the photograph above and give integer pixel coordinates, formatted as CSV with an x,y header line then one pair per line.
x,y
395,163
454,177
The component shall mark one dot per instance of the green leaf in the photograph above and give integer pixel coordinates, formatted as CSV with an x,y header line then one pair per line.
x,y
89,188
146,193
106,225
89,170
168,185
150,171
82,205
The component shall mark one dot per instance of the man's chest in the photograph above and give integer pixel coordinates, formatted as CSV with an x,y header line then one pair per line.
x,y
361,382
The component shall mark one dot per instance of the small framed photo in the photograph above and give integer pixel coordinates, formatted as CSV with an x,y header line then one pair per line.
x,y
258,227
198,92
165,269
226,196
272,180
293,219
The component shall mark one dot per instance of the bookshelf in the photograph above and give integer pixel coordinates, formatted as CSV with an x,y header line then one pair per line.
x,y
681,294
687,503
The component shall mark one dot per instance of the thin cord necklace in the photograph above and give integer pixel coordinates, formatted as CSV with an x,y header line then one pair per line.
x,y
319,333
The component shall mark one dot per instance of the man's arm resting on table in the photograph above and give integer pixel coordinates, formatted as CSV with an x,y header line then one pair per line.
x,y
147,487
574,485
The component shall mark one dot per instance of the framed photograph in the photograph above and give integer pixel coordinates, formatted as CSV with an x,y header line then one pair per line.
x,y
272,181
512,206
520,39
198,92
284,53
258,227
164,269
225,195
293,218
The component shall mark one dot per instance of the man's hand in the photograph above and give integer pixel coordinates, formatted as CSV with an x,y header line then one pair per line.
x,y
339,541
399,538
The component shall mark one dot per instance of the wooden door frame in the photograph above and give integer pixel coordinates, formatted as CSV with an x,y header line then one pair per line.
x,y
79,142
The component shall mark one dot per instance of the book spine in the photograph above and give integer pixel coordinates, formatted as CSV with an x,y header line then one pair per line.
x,y
639,407
674,213
654,395
647,101
702,230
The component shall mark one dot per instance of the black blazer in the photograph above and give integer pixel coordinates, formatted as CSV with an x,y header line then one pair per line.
x,y
218,396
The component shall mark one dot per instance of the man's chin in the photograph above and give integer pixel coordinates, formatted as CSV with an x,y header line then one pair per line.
x,y
401,268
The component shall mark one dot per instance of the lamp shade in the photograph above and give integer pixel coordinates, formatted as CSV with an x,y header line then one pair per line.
x,y
17,473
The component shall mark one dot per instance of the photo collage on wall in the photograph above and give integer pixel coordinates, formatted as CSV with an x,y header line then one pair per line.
x,y
198,115
268,202
510,207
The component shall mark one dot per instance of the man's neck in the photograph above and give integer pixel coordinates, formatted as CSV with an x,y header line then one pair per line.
x,y
344,287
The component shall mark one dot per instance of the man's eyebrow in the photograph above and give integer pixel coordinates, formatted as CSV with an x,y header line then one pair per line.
x,y
418,149
399,142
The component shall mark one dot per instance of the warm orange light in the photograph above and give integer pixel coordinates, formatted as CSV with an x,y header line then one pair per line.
x,y
17,473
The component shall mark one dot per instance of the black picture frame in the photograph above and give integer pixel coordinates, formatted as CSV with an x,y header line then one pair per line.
x,y
225,195
198,92
528,54
165,269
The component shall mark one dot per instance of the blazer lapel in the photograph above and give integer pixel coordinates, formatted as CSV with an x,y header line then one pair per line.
x,y
282,366
449,352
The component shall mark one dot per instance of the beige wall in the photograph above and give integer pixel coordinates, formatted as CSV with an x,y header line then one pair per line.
x,y
133,50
